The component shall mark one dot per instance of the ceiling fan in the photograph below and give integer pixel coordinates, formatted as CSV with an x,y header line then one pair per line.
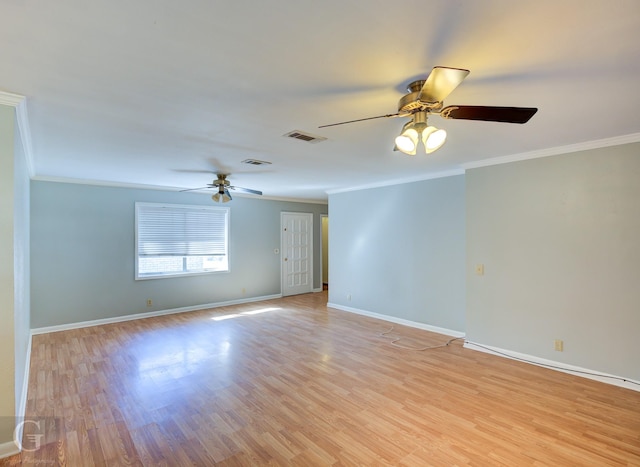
x,y
223,185
425,97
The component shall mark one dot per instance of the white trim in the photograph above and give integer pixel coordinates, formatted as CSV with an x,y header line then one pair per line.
x,y
10,99
8,449
557,366
22,119
393,319
21,410
317,290
398,181
584,146
322,271
138,186
78,181
291,200
25,136
462,168
150,314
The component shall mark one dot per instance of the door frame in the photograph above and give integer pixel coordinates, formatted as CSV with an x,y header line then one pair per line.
x,y
322,252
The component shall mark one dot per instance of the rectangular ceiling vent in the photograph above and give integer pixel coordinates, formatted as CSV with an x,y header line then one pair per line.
x,y
303,136
255,162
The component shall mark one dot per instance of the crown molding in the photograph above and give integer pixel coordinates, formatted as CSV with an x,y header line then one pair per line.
x,y
556,151
399,181
136,186
20,104
10,99
105,183
288,200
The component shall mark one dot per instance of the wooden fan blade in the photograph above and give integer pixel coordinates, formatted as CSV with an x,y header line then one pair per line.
x,y
489,114
440,83
399,114
246,190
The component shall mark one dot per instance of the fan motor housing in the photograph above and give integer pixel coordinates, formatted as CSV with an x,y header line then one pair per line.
x,y
411,103
222,181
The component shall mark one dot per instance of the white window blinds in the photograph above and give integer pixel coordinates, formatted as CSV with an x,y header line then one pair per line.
x,y
172,230
170,238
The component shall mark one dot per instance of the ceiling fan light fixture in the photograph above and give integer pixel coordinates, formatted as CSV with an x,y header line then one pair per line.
x,y
221,183
418,130
222,195
426,97
433,139
407,141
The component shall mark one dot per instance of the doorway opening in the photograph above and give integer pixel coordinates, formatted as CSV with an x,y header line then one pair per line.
x,y
325,251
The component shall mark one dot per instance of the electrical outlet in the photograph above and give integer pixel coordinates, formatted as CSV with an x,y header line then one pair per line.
x,y
149,302
559,345
349,297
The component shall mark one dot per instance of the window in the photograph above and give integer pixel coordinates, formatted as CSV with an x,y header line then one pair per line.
x,y
176,240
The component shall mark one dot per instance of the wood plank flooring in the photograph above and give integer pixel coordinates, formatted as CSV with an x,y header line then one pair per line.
x,y
291,382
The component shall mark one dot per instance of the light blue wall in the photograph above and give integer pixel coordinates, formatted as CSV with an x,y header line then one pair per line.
x,y
83,243
400,251
559,239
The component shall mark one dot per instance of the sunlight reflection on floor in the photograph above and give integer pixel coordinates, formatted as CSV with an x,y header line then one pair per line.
x,y
245,313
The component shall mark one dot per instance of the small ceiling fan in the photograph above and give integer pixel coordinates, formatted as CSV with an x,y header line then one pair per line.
x,y
223,185
425,97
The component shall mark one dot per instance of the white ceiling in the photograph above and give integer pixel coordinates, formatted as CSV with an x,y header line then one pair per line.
x,y
159,92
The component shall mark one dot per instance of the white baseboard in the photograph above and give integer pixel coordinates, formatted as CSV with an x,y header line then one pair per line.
x,y
11,448
21,411
393,319
317,290
558,366
22,408
150,314
8,449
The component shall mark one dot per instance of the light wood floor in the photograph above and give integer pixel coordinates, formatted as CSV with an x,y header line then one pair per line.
x,y
290,382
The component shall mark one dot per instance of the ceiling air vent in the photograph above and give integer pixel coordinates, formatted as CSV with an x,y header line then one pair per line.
x,y
302,136
255,162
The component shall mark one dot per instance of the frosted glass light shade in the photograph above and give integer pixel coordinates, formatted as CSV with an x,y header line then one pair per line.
x,y
433,139
407,142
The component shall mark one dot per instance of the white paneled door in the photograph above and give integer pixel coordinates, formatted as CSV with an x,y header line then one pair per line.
x,y
297,253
